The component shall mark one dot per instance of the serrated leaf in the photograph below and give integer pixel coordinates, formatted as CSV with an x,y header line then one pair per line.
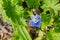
x,y
33,3
57,7
54,2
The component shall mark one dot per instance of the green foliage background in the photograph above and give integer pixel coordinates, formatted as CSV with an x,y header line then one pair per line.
x,y
15,13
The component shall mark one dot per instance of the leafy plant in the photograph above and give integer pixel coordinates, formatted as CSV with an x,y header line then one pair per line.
x,y
14,14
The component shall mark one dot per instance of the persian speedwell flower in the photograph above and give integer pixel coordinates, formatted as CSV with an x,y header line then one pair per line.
x,y
35,20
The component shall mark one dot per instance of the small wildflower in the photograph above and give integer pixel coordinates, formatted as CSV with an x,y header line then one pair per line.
x,y
35,20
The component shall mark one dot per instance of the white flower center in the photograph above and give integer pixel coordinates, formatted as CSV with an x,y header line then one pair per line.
x,y
35,20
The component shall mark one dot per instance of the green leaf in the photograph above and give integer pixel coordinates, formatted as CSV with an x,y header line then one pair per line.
x,y
54,2
23,21
57,7
33,3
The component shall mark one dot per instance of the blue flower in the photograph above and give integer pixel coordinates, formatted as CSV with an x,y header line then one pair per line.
x,y
35,20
